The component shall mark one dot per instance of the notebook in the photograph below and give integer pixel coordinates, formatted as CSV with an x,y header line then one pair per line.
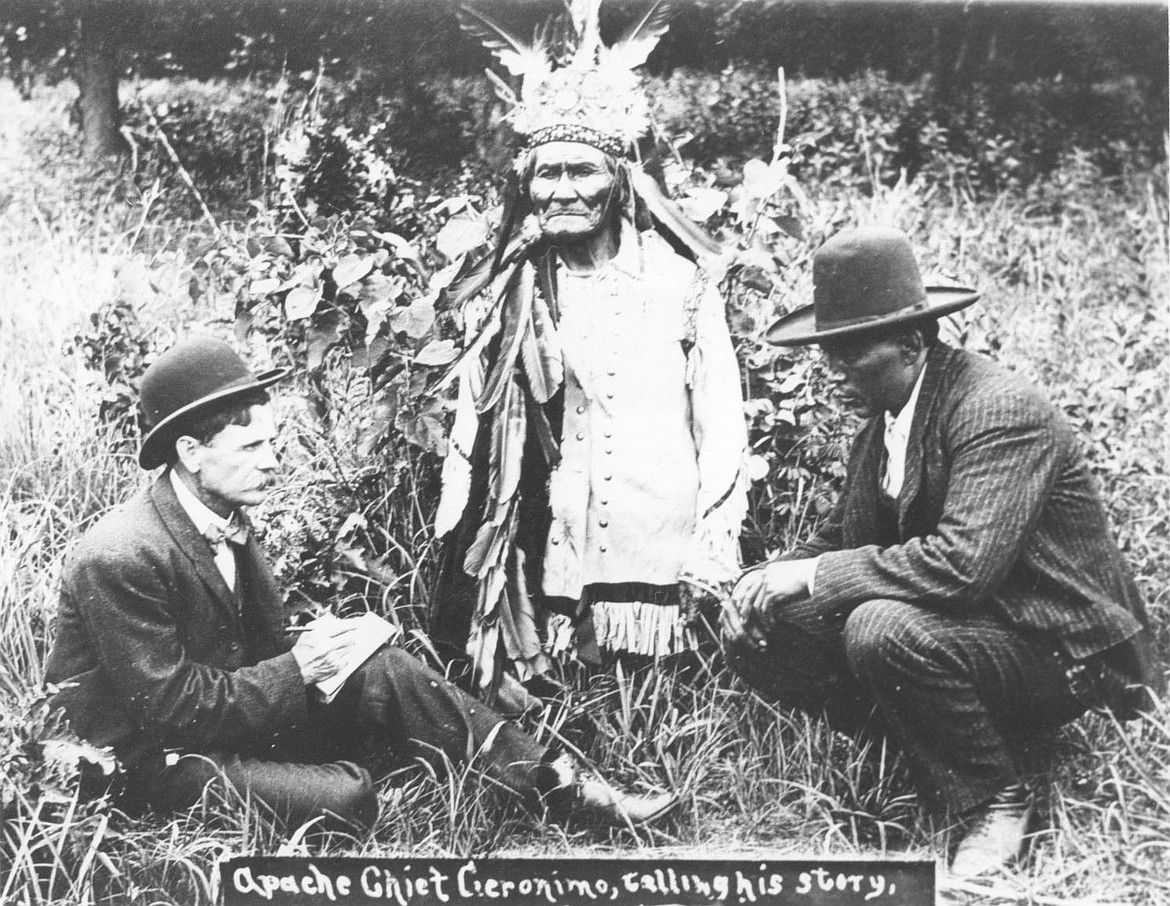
x,y
375,633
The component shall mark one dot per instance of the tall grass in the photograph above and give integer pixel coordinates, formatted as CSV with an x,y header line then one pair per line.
x,y
1075,274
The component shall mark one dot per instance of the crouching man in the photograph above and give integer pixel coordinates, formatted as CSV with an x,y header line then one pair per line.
x,y
966,588
170,644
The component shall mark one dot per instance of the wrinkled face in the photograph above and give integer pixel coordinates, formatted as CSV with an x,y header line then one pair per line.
x,y
237,467
871,375
571,188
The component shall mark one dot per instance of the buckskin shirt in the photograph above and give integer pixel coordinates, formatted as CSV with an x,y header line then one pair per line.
x,y
650,487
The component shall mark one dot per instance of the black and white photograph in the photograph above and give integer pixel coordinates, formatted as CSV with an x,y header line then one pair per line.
x,y
547,451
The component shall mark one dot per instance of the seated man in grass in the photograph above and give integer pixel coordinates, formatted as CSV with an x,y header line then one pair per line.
x,y
966,588
170,642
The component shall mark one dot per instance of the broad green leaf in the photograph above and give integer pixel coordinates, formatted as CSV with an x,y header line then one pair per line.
x,y
437,352
300,303
265,286
757,467
320,338
308,273
699,203
761,180
461,235
425,429
442,279
243,324
277,245
351,269
378,289
403,249
453,205
414,320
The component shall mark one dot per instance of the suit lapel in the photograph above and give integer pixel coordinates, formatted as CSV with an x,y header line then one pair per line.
x,y
861,520
255,579
936,363
192,544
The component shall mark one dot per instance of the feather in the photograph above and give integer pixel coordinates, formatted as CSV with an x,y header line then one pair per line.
x,y
509,429
546,279
476,558
542,430
489,327
514,54
503,90
479,277
492,540
670,217
532,362
586,16
556,34
635,45
540,356
514,317
508,218
518,634
489,266
482,644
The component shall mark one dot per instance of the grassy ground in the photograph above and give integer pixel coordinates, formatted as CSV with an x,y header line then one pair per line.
x,y
1076,273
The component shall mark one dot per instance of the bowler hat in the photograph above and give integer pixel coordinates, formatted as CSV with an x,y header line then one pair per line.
x,y
182,383
865,279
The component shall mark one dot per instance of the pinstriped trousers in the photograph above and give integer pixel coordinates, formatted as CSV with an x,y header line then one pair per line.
x,y
960,692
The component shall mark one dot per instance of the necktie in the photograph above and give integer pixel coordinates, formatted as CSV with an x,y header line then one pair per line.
x,y
226,544
236,532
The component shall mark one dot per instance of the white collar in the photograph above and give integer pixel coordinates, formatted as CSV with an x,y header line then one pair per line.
x,y
199,512
899,425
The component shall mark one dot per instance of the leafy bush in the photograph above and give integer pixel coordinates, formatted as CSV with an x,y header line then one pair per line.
x,y
341,265
1074,268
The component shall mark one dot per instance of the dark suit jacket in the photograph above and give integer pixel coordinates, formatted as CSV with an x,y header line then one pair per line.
x,y
158,652
998,511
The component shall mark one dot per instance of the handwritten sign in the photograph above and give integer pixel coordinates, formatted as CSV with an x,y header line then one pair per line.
x,y
269,880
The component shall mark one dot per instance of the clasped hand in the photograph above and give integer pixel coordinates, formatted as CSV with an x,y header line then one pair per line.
x,y
323,650
747,614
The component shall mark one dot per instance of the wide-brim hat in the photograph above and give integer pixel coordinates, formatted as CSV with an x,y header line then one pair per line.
x,y
866,279
182,383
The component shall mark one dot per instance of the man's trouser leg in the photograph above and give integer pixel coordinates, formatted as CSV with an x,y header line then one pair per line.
x,y
957,692
393,705
400,703
962,693
341,793
804,666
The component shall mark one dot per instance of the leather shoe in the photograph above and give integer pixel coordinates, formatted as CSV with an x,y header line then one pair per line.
x,y
622,809
995,839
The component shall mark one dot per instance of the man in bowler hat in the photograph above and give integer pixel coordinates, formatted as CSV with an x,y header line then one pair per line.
x,y
170,643
966,588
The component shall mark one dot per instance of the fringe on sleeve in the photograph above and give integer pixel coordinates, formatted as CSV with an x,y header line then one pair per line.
x,y
720,432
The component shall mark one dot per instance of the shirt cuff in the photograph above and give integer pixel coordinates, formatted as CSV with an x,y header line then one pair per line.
x,y
810,575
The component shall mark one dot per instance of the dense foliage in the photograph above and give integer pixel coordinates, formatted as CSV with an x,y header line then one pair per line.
x,y
340,260
316,221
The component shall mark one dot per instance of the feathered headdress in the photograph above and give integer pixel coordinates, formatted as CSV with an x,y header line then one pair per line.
x,y
573,87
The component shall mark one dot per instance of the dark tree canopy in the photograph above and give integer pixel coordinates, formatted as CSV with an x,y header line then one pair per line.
x,y
394,44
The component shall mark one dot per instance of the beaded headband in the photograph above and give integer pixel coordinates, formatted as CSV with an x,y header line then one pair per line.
x,y
572,132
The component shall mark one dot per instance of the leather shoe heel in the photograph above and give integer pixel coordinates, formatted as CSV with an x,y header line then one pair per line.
x,y
621,809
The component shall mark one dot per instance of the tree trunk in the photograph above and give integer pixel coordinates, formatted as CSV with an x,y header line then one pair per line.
x,y
96,72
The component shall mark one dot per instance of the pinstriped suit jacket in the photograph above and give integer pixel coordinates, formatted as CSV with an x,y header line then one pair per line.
x,y
998,512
